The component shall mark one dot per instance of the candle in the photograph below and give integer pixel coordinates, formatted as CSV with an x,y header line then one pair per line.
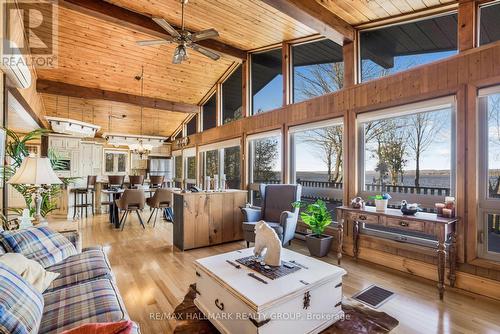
x,y
439,208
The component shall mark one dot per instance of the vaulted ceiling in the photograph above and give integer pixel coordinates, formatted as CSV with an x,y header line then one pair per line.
x,y
102,53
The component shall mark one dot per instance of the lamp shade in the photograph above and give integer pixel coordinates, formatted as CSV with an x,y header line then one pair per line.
x,y
35,171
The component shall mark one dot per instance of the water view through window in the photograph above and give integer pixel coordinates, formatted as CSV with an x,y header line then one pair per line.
x,y
410,154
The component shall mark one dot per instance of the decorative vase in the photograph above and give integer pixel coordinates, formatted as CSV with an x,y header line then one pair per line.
x,y
381,204
319,246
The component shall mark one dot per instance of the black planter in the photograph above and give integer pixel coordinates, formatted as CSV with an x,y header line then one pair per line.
x,y
319,246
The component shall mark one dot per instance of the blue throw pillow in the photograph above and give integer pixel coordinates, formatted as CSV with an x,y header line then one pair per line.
x,y
40,244
21,305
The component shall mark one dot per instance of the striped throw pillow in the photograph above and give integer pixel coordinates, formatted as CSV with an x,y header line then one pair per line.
x,y
40,244
21,305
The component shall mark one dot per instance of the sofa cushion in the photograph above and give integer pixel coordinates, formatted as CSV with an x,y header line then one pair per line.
x,y
91,302
21,305
41,244
2,250
79,268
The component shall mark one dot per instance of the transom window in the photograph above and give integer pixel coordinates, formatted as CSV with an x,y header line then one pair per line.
x,y
232,97
267,81
191,126
318,69
210,113
396,48
409,152
489,29
489,180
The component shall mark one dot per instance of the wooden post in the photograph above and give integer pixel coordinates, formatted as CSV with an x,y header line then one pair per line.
x,y
285,65
466,25
460,162
284,155
244,86
349,56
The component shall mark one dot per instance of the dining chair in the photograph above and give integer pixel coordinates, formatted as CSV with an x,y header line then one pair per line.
x,y
81,196
116,181
131,200
156,181
135,181
159,201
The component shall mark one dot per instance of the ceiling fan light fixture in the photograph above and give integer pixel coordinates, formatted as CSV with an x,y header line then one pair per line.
x,y
180,54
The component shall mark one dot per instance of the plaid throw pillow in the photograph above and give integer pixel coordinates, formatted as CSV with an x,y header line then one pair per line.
x,y
41,244
21,305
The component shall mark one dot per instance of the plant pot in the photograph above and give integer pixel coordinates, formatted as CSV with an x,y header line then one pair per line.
x,y
381,204
319,246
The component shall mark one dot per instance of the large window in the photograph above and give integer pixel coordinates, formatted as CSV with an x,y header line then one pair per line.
x,y
210,113
222,159
408,151
267,81
191,126
318,69
489,184
489,29
316,161
399,47
190,168
264,159
232,93
178,174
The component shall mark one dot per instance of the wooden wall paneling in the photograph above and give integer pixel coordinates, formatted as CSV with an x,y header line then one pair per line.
x,y
460,166
471,173
216,214
350,61
466,24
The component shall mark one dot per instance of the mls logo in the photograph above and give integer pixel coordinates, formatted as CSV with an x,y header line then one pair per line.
x,y
31,30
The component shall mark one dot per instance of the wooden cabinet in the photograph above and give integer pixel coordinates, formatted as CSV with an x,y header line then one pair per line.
x,y
204,219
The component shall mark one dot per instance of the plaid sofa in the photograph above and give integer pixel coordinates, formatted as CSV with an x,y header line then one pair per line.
x,y
84,292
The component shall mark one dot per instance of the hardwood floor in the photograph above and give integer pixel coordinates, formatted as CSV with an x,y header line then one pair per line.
x,y
153,277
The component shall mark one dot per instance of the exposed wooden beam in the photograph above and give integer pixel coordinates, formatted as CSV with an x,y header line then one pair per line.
x,y
126,18
316,17
65,89
466,25
26,106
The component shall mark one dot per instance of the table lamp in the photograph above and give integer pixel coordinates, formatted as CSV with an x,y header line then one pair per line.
x,y
37,172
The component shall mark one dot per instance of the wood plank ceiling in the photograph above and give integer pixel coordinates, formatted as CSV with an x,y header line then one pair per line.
x,y
96,53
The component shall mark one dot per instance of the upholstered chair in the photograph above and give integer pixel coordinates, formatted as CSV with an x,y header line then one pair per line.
x,y
159,201
131,200
276,210
135,181
115,181
156,181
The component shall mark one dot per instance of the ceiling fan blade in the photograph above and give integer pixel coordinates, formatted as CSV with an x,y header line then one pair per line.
x,y
204,34
165,25
205,52
153,42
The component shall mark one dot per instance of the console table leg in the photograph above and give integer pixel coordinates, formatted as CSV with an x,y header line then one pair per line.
x,y
452,258
355,235
441,252
340,239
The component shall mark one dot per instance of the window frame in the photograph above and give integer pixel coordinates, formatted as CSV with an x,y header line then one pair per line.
x,y
486,205
402,22
398,111
189,153
117,152
478,19
250,78
177,155
252,186
201,117
221,113
219,147
291,81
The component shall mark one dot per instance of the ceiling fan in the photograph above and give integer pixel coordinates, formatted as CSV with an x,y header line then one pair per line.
x,y
184,39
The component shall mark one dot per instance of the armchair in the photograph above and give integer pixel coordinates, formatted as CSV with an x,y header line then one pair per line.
x,y
276,211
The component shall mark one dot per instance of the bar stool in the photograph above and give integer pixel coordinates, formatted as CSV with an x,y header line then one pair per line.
x,y
135,181
159,201
84,199
131,200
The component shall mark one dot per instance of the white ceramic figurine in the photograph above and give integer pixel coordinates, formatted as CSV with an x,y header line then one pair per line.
x,y
267,239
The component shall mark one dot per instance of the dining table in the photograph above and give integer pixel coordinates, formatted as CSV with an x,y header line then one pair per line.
x,y
115,194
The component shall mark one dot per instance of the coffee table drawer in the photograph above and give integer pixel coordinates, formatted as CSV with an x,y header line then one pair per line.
x,y
363,217
405,224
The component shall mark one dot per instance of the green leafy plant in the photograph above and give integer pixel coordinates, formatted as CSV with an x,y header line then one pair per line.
x,y
315,215
381,197
16,149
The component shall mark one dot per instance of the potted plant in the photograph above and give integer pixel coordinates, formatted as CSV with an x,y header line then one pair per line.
x,y
317,217
381,201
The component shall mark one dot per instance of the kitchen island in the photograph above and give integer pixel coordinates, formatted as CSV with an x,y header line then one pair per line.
x,y
208,218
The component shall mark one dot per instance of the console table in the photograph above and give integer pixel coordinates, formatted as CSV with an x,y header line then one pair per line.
x,y
444,229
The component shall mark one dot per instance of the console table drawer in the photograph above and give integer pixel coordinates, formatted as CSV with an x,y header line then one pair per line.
x,y
363,217
405,224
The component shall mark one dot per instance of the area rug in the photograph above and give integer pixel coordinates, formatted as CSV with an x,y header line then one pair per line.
x,y
358,319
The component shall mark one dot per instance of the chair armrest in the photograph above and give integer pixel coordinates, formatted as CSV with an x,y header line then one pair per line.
x,y
252,214
74,237
288,220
